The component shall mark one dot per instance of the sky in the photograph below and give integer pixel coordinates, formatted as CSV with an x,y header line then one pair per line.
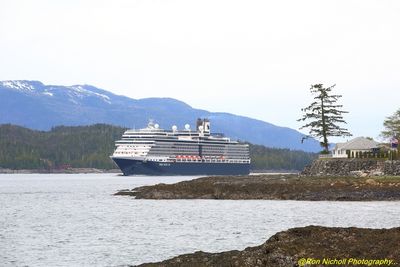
x,y
251,58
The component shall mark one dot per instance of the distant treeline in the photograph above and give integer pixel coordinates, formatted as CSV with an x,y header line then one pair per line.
x,y
91,146
265,158
79,147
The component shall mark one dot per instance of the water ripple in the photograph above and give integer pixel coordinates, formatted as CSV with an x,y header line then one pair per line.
x,y
73,220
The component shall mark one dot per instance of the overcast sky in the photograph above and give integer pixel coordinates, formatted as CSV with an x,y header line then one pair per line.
x,y
252,58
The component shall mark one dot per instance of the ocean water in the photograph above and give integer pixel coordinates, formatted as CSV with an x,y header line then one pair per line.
x,y
74,220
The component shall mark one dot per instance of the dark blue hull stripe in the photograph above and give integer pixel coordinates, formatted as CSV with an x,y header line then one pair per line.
x,y
131,167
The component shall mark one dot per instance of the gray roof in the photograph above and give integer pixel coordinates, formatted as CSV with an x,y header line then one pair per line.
x,y
358,143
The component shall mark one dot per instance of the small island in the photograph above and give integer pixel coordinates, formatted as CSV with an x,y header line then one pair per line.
x,y
306,246
275,187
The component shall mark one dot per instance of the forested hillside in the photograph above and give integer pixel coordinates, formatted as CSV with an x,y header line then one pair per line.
x,y
81,146
91,146
265,158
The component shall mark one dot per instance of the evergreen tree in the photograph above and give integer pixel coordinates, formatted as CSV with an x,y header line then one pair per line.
x,y
392,126
324,115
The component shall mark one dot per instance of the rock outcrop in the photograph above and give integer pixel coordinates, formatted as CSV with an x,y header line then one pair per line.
x,y
282,187
392,168
311,243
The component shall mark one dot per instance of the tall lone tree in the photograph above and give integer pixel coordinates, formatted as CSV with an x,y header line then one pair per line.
x,y
324,115
392,126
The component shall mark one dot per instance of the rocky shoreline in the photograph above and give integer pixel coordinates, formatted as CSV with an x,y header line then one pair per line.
x,y
352,167
275,187
321,246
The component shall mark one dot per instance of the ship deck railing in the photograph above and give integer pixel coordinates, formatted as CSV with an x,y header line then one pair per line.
x,y
213,160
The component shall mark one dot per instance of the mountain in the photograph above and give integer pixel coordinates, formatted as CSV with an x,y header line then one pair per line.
x,y
37,106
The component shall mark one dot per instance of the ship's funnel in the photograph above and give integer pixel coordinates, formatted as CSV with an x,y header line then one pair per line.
x,y
203,126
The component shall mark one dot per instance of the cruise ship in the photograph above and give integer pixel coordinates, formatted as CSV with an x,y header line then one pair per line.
x,y
155,151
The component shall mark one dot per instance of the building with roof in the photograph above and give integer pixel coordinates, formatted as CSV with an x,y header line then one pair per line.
x,y
358,144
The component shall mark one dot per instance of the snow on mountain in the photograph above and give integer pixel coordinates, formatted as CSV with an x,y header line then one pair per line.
x,y
48,93
80,91
75,93
18,85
